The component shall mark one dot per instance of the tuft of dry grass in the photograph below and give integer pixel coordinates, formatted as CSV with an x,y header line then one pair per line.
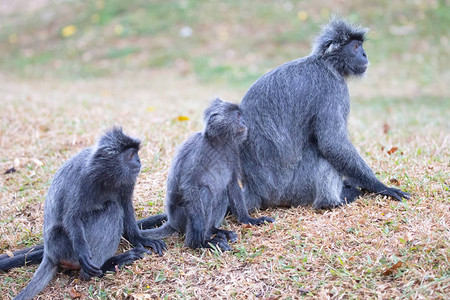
x,y
351,252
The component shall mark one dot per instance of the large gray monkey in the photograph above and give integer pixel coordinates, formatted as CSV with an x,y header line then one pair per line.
x,y
298,151
87,209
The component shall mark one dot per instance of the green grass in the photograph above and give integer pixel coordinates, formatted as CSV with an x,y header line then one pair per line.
x,y
231,43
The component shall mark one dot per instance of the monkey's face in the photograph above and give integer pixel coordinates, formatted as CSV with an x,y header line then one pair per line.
x,y
241,127
355,58
130,163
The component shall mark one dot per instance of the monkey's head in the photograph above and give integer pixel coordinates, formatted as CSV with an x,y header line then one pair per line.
x,y
116,160
223,121
341,45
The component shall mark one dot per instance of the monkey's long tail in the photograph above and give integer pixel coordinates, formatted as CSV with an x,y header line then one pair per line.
x,y
152,221
44,274
22,257
159,233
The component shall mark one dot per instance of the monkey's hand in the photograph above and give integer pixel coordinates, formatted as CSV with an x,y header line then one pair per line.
x,y
88,266
258,221
394,193
157,246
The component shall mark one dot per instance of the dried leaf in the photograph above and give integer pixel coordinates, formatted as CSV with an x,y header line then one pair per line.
x,y
392,150
303,291
182,118
68,30
9,253
140,296
37,162
74,294
392,269
386,128
11,170
395,181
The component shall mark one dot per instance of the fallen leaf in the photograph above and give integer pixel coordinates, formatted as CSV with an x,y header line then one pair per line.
x,y
303,291
9,253
140,296
392,269
74,294
394,181
183,118
68,30
386,128
37,162
392,150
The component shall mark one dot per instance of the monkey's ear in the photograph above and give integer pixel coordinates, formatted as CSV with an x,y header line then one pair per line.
x,y
331,47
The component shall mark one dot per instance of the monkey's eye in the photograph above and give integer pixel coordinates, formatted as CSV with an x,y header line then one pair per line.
x,y
356,46
131,155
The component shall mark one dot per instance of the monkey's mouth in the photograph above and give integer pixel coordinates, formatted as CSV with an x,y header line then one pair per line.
x,y
361,69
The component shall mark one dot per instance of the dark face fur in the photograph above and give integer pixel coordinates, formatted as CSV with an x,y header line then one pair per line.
x,y
356,58
224,121
131,163
116,160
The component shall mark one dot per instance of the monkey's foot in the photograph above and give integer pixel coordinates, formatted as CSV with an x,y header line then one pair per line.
x,y
217,243
395,193
124,259
226,235
157,246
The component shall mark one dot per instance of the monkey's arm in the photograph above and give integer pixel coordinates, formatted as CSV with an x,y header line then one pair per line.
x,y
333,143
238,207
132,232
75,227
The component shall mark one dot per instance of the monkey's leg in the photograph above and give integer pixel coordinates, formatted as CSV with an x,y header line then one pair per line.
x,y
123,259
195,230
103,230
349,193
197,214
44,274
22,257
238,207
328,185
152,221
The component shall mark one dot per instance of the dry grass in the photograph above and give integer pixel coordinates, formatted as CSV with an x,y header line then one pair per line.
x,y
342,253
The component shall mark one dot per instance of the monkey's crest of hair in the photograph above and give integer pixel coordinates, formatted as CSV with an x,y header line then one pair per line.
x,y
115,141
218,106
337,33
216,120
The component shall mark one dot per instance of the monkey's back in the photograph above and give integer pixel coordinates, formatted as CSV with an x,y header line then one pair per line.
x,y
196,165
280,109
65,185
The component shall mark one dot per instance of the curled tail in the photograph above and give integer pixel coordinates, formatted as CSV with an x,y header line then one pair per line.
x,y
22,257
44,274
152,221
159,233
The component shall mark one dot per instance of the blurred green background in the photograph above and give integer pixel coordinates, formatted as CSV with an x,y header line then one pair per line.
x,y
230,42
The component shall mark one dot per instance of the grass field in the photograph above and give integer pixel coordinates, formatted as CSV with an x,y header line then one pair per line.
x,y
125,64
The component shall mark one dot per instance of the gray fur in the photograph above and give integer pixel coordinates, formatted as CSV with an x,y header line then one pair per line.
x,y
88,207
34,255
298,151
203,181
